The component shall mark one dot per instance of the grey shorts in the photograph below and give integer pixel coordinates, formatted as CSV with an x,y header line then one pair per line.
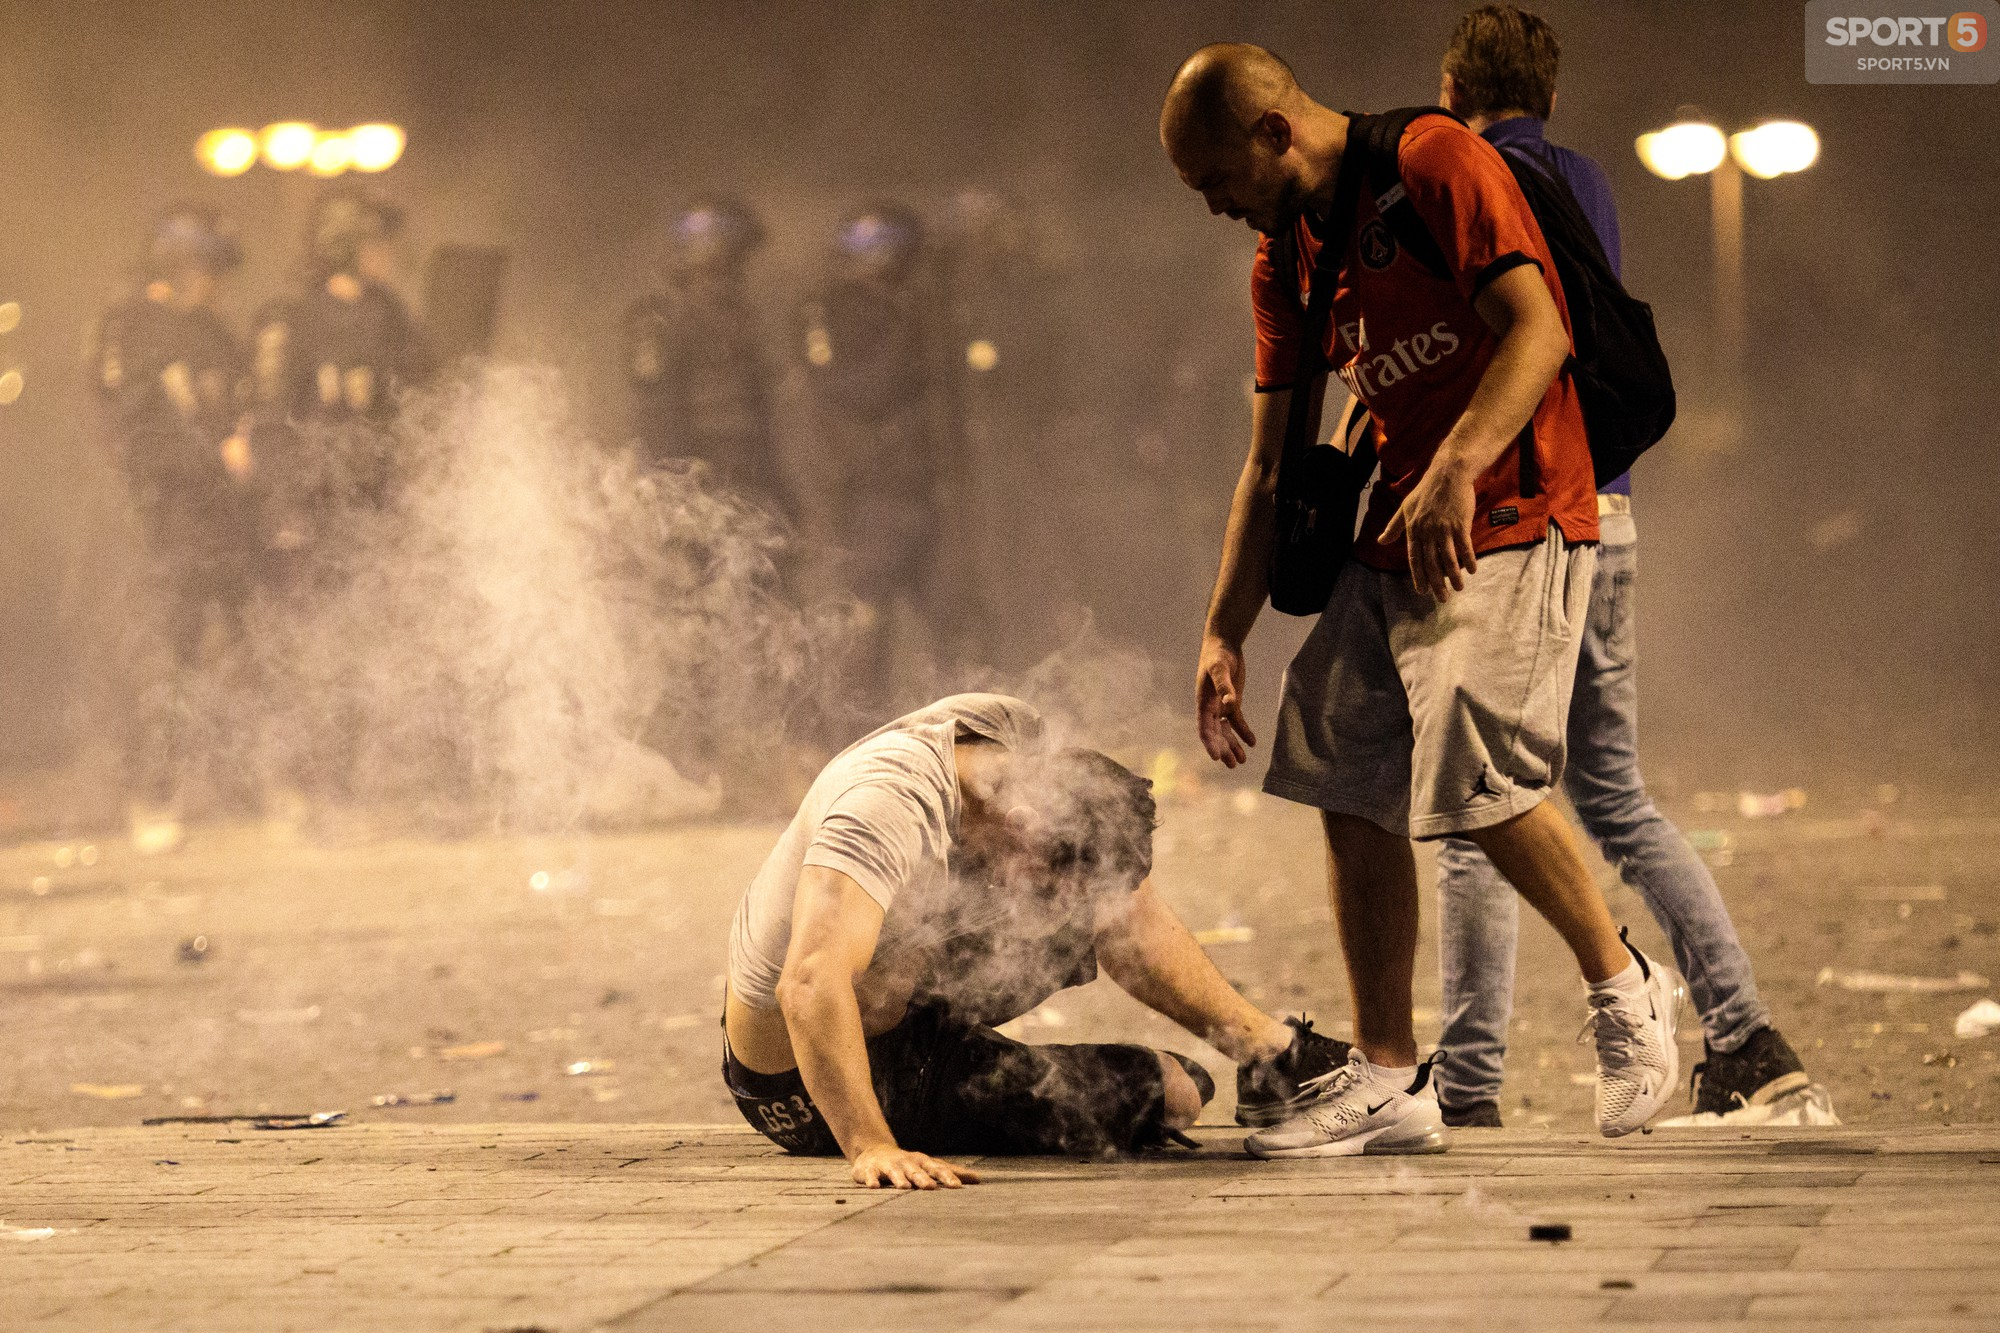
x,y
1431,719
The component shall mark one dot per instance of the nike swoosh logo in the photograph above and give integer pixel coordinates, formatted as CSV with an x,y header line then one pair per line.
x,y
1385,1101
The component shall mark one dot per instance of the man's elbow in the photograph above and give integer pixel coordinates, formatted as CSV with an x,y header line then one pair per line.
x,y
802,986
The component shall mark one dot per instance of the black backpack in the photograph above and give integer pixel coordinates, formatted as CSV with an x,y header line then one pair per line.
x,y
1622,379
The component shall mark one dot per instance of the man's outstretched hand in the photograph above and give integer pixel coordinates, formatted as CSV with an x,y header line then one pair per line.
x,y
898,1168
1218,703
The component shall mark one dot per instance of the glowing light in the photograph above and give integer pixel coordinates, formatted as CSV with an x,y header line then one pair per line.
x,y
288,144
10,316
331,155
376,147
1776,148
981,354
539,881
10,387
229,152
1687,149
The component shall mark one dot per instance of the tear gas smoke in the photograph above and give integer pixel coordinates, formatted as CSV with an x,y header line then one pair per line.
x,y
536,627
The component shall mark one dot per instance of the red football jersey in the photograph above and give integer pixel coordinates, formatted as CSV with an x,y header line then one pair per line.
x,y
1411,347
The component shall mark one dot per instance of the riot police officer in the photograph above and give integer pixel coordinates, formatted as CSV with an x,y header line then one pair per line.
x,y
174,380
329,365
871,345
700,385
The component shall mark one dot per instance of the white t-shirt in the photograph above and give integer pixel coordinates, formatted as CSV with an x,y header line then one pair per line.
x,y
884,813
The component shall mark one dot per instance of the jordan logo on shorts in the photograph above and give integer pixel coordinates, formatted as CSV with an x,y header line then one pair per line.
x,y
1482,787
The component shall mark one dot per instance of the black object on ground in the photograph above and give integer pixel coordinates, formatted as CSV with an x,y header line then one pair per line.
x,y
1549,1231
194,950
305,1120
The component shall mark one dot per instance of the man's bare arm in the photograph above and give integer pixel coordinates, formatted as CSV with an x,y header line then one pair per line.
x,y
1242,583
835,926
1145,949
1436,518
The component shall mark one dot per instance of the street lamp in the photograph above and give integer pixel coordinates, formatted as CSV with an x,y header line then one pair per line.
x,y
1693,148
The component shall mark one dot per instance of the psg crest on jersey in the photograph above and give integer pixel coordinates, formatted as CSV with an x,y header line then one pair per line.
x,y
1376,245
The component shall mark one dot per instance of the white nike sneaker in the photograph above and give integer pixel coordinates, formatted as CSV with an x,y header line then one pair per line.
x,y
1357,1111
1638,1066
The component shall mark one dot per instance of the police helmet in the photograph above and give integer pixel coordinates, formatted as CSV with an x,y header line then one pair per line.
x,y
346,219
711,233
883,237
190,237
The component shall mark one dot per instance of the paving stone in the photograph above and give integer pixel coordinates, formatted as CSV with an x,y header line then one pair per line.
x,y
573,1227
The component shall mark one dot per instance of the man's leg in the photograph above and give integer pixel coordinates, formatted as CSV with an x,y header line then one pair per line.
x,y
1143,947
1540,857
1603,782
1372,880
1344,745
980,1092
1490,676
1479,921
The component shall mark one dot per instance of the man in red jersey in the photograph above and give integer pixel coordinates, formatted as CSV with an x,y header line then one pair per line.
x,y
1431,697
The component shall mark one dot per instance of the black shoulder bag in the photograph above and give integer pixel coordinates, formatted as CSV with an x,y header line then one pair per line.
x,y
1319,486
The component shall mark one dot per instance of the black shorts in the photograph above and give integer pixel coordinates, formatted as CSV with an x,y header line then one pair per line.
x,y
947,1086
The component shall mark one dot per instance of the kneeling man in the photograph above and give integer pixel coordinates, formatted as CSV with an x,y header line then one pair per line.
x,y
944,875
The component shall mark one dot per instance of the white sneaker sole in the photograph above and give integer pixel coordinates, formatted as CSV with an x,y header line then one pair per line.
x,y
1420,1129
1647,1105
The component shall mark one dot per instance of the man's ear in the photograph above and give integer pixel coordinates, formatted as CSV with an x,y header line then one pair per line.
x,y
1024,822
1275,131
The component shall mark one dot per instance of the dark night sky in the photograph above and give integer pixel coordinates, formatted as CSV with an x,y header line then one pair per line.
x,y
564,131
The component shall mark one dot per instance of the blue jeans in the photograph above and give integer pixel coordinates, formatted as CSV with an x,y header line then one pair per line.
x,y
1479,913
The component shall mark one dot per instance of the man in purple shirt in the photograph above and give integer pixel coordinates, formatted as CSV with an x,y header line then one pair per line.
x,y
1500,76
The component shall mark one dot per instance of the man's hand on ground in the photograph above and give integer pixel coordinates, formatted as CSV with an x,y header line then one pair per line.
x,y
1435,522
1218,701
891,1167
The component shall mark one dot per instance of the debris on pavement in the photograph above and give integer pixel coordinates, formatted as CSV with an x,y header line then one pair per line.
x,y
1904,893
520,1096
474,1050
1226,935
279,1017
258,1120
589,1068
317,1120
26,1233
194,950
1716,847
1891,983
1982,1019
1549,1231
1758,805
1810,1105
414,1098
109,1092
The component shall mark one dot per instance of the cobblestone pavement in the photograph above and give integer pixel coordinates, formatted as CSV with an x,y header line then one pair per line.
x,y
349,966
689,1228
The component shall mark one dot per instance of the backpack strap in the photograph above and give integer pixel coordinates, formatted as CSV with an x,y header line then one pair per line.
x,y
1313,363
1380,138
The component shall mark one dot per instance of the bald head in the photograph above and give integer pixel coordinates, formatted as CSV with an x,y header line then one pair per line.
x,y
1222,91
1242,133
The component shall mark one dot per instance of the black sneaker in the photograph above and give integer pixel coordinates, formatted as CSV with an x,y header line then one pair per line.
x,y
1758,1072
1267,1092
1472,1115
